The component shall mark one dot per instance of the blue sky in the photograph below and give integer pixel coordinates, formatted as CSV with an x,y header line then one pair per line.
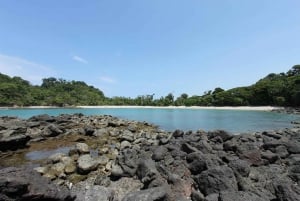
x,y
137,47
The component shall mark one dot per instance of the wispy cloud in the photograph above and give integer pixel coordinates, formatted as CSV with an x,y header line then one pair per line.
x,y
79,59
107,79
28,70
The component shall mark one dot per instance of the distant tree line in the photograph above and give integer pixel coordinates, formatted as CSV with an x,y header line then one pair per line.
x,y
281,89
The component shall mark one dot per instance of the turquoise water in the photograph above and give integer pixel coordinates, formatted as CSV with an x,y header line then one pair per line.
x,y
185,119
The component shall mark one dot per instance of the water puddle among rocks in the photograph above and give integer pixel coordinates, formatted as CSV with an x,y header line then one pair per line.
x,y
44,154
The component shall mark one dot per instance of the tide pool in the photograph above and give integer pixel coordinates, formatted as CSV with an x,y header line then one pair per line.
x,y
235,121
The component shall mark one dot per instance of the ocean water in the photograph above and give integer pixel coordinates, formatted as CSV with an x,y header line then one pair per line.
x,y
236,121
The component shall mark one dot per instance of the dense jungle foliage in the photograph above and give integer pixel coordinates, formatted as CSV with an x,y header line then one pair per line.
x,y
275,89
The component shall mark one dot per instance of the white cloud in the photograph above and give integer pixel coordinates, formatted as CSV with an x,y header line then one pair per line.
x,y
28,70
107,79
79,59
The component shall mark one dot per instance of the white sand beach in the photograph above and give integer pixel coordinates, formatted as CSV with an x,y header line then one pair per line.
x,y
247,108
251,108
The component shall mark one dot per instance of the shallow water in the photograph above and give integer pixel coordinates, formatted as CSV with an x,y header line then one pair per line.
x,y
186,119
43,154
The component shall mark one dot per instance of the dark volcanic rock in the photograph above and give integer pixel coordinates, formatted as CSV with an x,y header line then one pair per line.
x,y
42,118
10,140
152,194
219,133
216,179
159,153
25,184
286,191
239,196
240,166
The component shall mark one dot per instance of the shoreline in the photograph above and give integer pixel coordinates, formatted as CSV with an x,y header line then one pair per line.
x,y
245,108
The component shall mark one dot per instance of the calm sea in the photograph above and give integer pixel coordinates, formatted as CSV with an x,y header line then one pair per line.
x,y
235,121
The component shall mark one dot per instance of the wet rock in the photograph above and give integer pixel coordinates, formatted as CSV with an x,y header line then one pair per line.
x,y
11,140
25,184
152,194
216,179
86,164
55,158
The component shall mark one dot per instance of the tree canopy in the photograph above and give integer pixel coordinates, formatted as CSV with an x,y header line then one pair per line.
x,y
281,89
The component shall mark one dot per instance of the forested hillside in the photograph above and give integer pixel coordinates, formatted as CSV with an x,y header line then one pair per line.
x,y
281,89
52,92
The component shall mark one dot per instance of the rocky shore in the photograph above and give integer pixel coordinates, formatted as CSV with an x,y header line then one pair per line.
x,y
110,159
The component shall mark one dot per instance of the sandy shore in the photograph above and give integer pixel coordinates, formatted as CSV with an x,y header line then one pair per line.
x,y
249,108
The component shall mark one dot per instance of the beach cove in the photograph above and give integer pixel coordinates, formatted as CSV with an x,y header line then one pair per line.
x,y
233,119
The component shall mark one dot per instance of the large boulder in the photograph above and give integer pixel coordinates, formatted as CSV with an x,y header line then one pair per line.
x,y
86,164
26,184
216,179
12,140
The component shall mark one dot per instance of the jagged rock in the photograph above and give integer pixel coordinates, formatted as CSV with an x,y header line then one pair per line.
x,y
239,196
159,153
219,133
51,131
152,194
269,156
286,191
197,162
148,173
240,166
216,179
